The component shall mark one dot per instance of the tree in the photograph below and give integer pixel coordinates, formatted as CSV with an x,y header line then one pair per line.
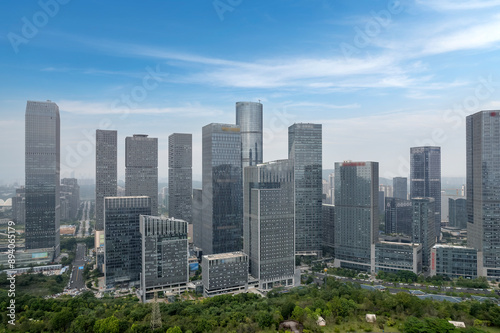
x,y
107,325
175,329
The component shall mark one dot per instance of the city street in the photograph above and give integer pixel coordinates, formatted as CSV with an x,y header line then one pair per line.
x,y
77,281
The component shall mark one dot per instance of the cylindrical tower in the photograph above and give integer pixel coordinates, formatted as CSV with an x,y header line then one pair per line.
x,y
249,118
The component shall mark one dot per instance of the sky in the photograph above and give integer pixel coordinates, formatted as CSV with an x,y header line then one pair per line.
x,y
381,76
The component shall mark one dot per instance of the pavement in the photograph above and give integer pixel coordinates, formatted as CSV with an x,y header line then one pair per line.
x,y
77,280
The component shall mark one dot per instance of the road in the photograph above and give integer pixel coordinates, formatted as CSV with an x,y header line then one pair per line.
x,y
77,281
83,231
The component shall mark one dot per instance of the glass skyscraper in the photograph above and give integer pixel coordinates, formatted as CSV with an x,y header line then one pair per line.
x,y
222,192
423,231
141,168
105,171
180,176
305,149
483,190
425,178
268,224
398,216
42,168
122,239
249,118
400,187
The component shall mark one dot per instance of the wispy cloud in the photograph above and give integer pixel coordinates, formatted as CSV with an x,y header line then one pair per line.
x,y
445,5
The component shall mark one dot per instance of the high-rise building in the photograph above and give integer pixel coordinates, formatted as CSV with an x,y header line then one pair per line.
x,y
122,239
105,172
356,214
164,245
70,191
398,216
457,212
19,206
249,119
400,187
423,227
42,167
483,190
197,217
222,202
328,230
224,273
268,223
141,168
425,178
305,149
180,176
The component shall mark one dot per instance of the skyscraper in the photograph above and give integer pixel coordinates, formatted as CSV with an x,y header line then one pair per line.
x,y
400,187
249,118
423,231
122,239
457,213
268,223
483,190
42,167
164,244
305,149
70,191
356,214
180,176
105,172
398,216
425,178
197,217
222,202
141,168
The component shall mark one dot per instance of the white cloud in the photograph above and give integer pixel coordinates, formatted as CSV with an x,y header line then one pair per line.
x,y
446,5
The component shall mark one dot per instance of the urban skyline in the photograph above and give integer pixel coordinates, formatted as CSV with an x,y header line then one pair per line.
x,y
414,78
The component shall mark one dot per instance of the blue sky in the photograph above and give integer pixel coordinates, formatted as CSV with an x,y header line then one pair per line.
x,y
381,76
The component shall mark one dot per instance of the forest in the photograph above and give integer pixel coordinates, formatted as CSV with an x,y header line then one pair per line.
x,y
342,305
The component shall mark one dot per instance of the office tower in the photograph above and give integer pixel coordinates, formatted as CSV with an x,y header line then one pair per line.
x,y
398,216
457,213
381,201
387,189
305,149
197,217
19,206
423,227
141,168
328,230
42,166
400,187
268,223
70,190
425,178
483,190
222,203
122,239
453,261
331,185
394,256
224,273
356,214
164,245
249,119
105,172
180,176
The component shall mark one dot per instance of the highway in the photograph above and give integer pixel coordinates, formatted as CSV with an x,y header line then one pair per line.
x,y
77,281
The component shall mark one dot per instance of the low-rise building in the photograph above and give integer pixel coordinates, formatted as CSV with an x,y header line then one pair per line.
x,y
224,273
454,261
393,257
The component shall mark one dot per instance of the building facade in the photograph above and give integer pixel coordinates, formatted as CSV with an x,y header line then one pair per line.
x,y
180,176
42,165
268,223
400,187
425,178
454,261
483,190
249,119
356,214
305,149
393,257
398,216
222,202
457,213
70,191
122,239
141,168
164,255
328,230
19,206
197,217
106,174
224,273
423,227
